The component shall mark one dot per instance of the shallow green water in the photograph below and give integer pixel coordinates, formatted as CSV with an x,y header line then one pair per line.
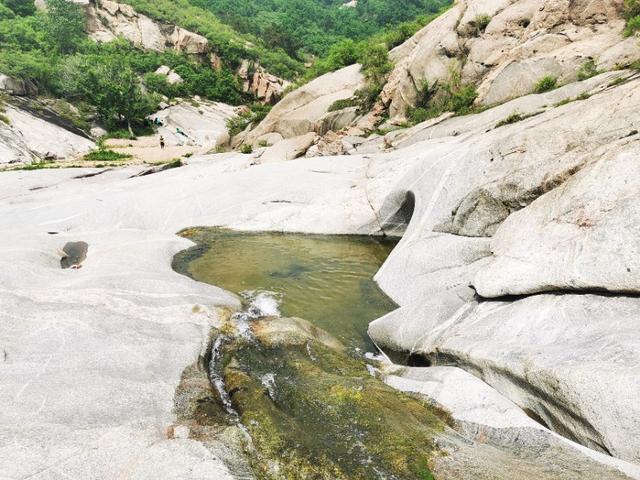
x,y
327,280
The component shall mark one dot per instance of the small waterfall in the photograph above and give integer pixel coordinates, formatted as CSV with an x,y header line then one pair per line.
x,y
259,304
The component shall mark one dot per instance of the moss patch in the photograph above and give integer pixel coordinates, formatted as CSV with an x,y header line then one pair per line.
x,y
316,413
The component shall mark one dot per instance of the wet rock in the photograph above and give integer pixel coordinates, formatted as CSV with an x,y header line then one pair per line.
x,y
74,254
360,428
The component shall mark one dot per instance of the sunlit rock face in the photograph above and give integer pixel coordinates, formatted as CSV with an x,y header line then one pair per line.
x,y
504,47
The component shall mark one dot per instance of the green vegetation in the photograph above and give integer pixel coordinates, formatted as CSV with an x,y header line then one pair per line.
x,y
347,52
588,70
104,155
516,117
307,425
546,84
306,28
254,114
63,25
434,100
342,104
480,24
115,82
51,49
632,15
246,149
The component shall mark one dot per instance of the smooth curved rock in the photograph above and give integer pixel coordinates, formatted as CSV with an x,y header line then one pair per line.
x,y
582,236
301,111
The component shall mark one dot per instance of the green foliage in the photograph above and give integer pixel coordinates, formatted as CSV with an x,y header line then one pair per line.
x,y
342,104
347,52
102,155
588,70
434,100
20,7
546,84
109,83
515,117
246,149
232,47
63,25
480,24
252,115
304,28
632,15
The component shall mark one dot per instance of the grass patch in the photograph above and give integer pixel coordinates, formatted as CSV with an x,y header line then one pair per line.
x,y
546,84
516,117
5,119
434,100
481,23
251,116
103,155
246,149
342,104
588,70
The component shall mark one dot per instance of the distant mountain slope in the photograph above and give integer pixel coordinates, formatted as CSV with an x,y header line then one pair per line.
x,y
303,27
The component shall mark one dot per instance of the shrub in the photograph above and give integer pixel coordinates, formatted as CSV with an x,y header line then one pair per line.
x,y
434,100
246,149
546,84
5,119
632,15
342,104
515,117
253,115
481,23
589,69
102,155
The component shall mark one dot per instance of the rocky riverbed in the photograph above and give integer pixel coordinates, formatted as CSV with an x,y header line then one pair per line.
x,y
531,332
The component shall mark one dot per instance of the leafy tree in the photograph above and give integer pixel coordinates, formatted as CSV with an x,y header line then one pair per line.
x,y
22,8
64,24
112,86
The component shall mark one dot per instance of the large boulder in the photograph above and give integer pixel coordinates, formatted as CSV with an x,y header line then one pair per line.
x,y
260,83
583,236
505,47
303,110
288,149
564,180
107,20
27,138
13,86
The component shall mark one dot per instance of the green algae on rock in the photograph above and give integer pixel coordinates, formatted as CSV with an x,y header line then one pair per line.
x,y
315,412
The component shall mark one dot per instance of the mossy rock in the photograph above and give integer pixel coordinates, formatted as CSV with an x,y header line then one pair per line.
x,y
314,412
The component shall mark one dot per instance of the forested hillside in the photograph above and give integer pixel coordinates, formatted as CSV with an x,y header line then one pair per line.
x,y
114,82
311,27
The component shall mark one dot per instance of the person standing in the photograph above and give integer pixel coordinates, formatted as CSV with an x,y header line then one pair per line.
x,y
161,142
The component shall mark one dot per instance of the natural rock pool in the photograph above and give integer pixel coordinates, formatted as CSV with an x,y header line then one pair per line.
x,y
310,404
325,279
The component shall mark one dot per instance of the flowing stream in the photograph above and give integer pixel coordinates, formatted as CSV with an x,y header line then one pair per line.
x,y
291,369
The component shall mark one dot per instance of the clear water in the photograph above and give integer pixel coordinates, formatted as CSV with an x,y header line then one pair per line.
x,y
327,280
